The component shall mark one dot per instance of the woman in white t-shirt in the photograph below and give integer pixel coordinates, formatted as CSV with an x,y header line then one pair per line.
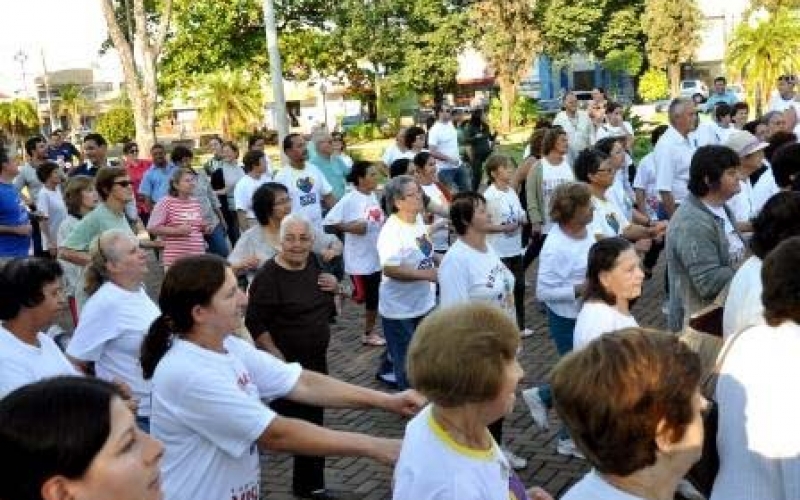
x,y
213,420
31,295
464,360
613,279
559,284
439,228
358,214
116,316
632,400
408,262
505,234
50,205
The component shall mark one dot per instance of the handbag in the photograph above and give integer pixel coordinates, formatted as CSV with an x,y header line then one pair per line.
x,y
704,471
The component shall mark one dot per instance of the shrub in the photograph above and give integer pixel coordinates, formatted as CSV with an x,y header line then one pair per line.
x,y
654,85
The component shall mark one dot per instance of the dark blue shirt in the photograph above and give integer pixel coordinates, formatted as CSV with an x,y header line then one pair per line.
x,y
65,150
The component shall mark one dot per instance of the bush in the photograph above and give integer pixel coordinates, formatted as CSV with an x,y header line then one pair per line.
x,y
653,85
117,125
524,112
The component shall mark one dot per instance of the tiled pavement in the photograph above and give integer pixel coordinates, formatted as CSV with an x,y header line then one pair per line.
x,y
368,480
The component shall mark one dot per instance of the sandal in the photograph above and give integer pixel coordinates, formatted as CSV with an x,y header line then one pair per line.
x,y
373,339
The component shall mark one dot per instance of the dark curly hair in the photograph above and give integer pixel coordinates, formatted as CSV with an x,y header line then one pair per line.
x,y
778,220
781,295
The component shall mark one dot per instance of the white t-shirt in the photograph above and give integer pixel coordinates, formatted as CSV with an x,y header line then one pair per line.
x,y
408,245
607,220
360,250
742,204
114,321
593,487
646,181
392,154
22,364
736,246
444,138
743,306
608,130
764,189
243,193
504,208
562,265
578,129
207,410
778,103
306,187
441,236
432,466
467,274
711,134
50,203
757,438
673,156
597,318
552,177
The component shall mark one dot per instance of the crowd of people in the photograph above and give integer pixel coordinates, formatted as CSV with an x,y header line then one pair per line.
x,y
183,389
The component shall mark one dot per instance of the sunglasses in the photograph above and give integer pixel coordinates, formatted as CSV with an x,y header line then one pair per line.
x,y
123,183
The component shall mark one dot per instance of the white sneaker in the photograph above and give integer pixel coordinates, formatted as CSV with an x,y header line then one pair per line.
x,y
536,406
665,308
525,333
516,462
567,448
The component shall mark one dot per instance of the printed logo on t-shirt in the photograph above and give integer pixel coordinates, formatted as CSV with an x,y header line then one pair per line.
x,y
425,246
247,491
305,185
612,222
374,214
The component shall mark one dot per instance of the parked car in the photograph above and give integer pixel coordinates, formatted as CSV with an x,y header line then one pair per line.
x,y
695,89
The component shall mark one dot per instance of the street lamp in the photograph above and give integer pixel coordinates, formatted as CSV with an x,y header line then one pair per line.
x,y
21,57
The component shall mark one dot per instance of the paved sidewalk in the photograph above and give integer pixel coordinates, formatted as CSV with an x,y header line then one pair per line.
x,y
365,479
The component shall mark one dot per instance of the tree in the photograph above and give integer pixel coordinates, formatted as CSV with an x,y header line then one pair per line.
x,y
139,46
762,51
231,101
72,104
653,85
117,124
509,41
18,118
773,6
672,28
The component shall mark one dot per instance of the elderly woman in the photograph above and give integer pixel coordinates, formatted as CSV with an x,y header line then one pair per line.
x,y
31,296
215,415
778,220
87,446
559,283
116,316
632,400
359,216
223,181
291,303
703,246
260,243
178,218
613,279
408,262
464,360
757,441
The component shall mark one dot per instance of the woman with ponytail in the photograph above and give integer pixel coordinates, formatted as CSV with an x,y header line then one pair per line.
x,y
116,317
208,388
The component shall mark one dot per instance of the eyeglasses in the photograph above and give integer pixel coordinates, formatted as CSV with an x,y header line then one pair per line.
x,y
123,183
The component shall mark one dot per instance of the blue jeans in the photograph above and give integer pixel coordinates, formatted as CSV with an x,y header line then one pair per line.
x,y
561,331
218,242
455,178
398,333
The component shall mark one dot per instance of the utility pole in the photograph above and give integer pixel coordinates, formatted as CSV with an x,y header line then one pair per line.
x,y
47,93
276,71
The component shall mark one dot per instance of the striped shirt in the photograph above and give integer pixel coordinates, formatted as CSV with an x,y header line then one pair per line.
x,y
173,212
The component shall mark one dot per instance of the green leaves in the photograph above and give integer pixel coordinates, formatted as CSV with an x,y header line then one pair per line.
x,y
230,101
117,124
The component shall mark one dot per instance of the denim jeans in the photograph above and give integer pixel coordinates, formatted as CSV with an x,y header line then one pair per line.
x,y
143,423
218,242
455,178
561,331
398,334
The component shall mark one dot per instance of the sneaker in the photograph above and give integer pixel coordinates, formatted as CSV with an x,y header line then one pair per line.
x,y
567,448
516,462
527,332
665,308
537,407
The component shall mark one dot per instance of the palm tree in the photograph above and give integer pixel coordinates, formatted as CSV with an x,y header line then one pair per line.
x,y
231,101
18,118
72,104
760,52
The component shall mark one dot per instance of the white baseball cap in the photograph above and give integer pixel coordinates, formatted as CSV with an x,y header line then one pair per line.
x,y
744,143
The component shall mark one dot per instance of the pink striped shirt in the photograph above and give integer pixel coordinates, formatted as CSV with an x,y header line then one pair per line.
x,y
173,212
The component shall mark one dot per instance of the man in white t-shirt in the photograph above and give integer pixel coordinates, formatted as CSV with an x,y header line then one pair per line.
x,y
717,130
395,151
576,124
785,100
443,145
306,184
256,167
673,155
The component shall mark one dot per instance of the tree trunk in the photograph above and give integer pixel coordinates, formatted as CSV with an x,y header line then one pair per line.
x,y
508,92
674,71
